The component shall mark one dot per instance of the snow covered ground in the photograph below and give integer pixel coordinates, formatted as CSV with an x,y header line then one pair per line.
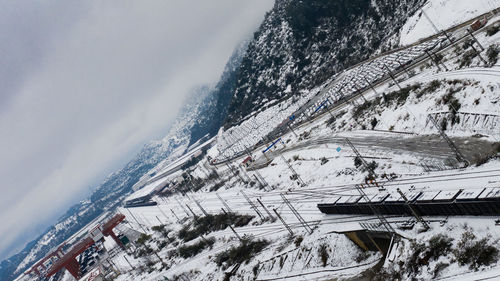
x,y
443,14
317,153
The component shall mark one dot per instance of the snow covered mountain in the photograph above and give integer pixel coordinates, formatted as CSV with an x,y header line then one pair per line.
x,y
300,44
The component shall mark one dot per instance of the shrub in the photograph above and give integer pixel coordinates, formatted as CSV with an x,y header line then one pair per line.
x,y
159,228
298,241
362,256
415,260
467,58
444,124
374,122
143,238
385,274
323,254
430,88
143,251
323,160
492,54
211,223
371,166
255,270
193,250
475,253
439,245
481,159
439,267
184,276
357,162
401,95
217,186
241,253
496,147
467,43
492,30
331,121
360,109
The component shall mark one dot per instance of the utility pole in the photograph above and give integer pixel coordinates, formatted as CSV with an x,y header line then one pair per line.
x,y
146,221
159,220
390,74
182,207
128,262
478,54
260,183
265,209
359,91
140,225
435,28
474,38
283,222
224,203
234,172
173,213
191,210
414,212
432,59
252,205
261,178
404,68
291,129
370,84
231,227
243,171
199,205
297,215
162,212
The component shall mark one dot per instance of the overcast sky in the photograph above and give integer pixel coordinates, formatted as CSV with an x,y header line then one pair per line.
x,y
84,83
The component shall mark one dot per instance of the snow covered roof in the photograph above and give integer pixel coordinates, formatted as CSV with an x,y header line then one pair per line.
x,y
149,188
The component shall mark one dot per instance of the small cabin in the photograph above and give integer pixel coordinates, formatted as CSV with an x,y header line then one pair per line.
x,y
478,24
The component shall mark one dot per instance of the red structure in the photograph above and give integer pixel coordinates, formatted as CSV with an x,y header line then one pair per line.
x,y
40,265
69,261
108,228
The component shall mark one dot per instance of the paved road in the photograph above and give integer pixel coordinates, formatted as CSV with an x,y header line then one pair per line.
x,y
425,146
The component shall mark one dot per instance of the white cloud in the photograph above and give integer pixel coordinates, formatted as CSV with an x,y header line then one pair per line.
x,y
102,83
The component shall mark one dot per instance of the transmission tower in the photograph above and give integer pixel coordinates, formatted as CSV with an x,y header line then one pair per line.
x,y
299,217
295,175
374,209
363,161
414,212
224,203
283,222
252,205
460,157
